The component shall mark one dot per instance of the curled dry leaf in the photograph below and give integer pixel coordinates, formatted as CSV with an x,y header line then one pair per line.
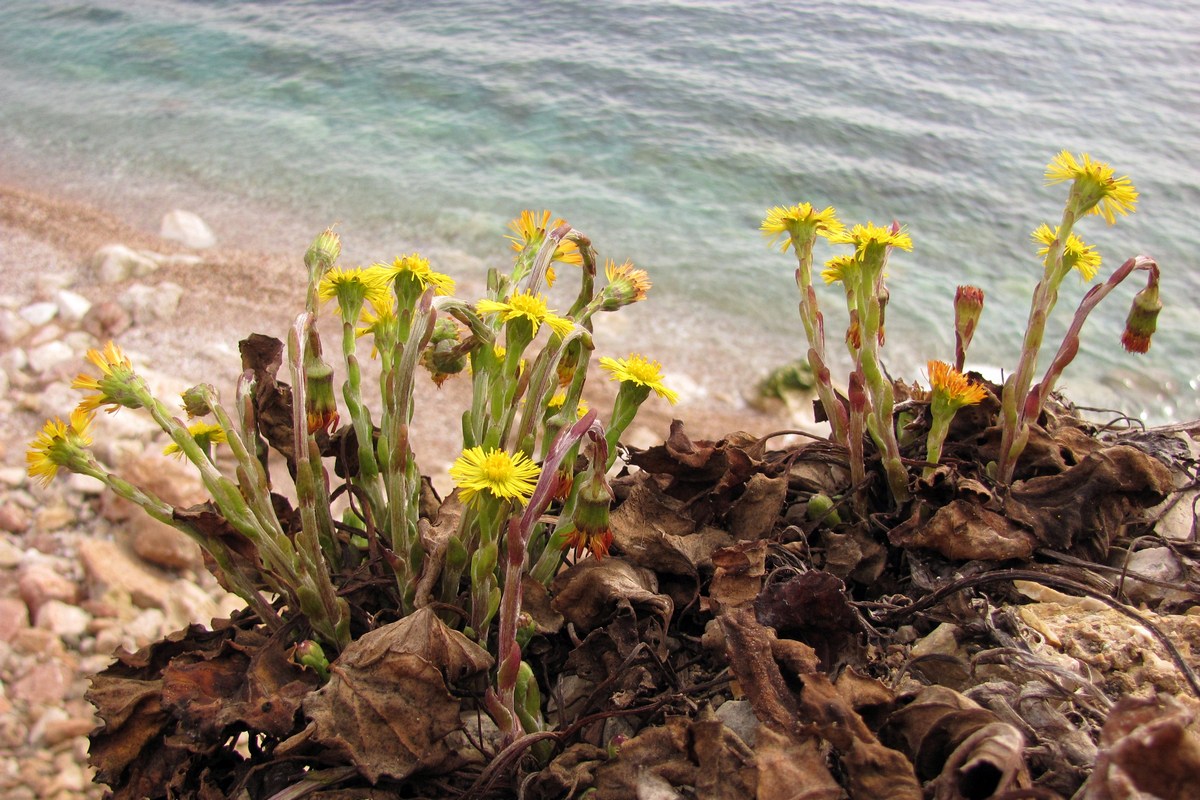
x,y
963,747
589,593
1149,747
963,531
386,707
813,608
1085,507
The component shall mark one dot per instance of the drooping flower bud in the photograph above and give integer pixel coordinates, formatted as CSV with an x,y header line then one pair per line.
x,y
626,285
196,401
592,530
968,307
310,654
1143,318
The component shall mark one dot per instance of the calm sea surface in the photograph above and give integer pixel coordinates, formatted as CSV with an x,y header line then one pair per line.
x,y
663,130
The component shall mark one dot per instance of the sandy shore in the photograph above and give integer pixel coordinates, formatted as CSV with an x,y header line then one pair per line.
x,y
49,243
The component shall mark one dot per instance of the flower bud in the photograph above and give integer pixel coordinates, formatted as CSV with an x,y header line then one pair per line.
x,y
310,654
320,404
1142,320
195,401
592,531
626,285
323,252
968,307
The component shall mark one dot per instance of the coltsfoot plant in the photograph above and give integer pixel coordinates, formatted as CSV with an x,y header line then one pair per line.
x,y
529,443
869,404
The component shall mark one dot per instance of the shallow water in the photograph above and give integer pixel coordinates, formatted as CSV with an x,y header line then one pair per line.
x,y
662,131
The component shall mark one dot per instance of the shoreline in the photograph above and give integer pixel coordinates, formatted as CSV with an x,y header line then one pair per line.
x,y
228,293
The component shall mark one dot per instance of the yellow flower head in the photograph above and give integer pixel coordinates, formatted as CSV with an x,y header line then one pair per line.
x,y
871,235
626,285
527,306
352,287
59,444
114,387
1076,254
951,388
1093,189
639,371
496,473
557,400
841,269
206,435
798,223
416,267
530,229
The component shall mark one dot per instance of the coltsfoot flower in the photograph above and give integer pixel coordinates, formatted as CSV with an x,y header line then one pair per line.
x,y
206,435
639,371
115,386
495,473
798,223
527,306
951,388
530,231
416,267
593,531
865,237
352,287
626,285
1094,190
60,444
1142,320
1076,254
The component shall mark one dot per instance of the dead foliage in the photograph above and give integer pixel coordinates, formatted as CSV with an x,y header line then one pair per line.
x,y
975,643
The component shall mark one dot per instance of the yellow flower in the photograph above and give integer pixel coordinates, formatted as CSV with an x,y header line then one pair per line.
x,y
527,306
838,268
626,285
559,398
1097,191
497,473
865,236
952,388
417,267
1076,254
113,387
59,444
206,435
799,222
352,287
530,230
639,371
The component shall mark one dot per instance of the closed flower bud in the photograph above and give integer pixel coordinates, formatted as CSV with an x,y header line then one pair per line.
x,y
195,401
1142,320
592,530
320,404
968,307
324,251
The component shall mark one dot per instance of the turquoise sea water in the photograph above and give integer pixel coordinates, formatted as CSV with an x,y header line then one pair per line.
x,y
663,130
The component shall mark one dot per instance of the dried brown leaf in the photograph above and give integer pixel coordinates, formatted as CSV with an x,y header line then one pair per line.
x,y
1149,748
386,708
589,593
963,531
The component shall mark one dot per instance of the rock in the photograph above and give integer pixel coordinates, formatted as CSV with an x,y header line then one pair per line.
x,y
112,573
13,519
107,320
739,717
57,731
54,517
14,361
115,263
150,304
45,358
72,306
1159,564
12,326
38,313
44,334
40,583
86,485
13,477
63,619
14,617
162,545
44,683
188,229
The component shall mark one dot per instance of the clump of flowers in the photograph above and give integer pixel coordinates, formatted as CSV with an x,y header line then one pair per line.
x,y
526,434
868,405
